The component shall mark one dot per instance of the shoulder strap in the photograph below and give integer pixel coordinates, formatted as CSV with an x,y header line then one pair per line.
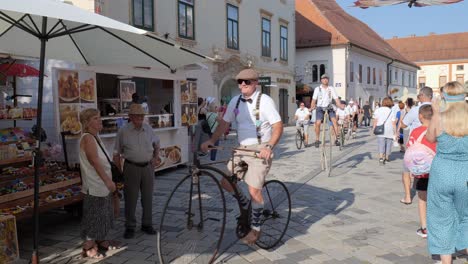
x,y
420,138
257,117
102,148
388,116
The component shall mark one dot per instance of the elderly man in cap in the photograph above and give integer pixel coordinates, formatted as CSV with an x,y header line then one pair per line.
x,y
137,143
322,98
259,127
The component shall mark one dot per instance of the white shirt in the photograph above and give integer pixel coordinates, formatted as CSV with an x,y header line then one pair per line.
x,y
91,181
395,109
411,119
381,114
301,113
324,96
342,113
352,109
246,118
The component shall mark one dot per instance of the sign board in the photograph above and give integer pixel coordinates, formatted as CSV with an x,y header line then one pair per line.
x,y
264,80
283,80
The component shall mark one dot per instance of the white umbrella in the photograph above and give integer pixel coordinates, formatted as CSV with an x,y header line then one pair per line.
x,y
55,30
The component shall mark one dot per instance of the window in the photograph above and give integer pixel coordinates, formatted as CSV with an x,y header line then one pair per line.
x,y
380,76
396,75
402,78
460,67
390,81
461,78
442,80
315,77
143,14
351,71
360,74
422,82
232,27
266,37
186,18
368,75
373,75
283,43
316,69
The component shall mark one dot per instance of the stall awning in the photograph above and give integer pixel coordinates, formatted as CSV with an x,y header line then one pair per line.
x,y
76,34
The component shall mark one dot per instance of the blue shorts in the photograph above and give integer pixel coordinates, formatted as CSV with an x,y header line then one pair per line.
x,y
320,113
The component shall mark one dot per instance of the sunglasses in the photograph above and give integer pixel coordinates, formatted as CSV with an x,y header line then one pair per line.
x,y
247,82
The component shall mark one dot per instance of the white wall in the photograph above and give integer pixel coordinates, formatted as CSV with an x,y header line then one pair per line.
x,y
210,34
338,61
433,72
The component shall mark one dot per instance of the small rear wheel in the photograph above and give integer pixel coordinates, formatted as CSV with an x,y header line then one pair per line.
x,y
276,214
299,139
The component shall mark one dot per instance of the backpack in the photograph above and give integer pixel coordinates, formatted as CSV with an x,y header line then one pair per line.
x,y
205,125
418,157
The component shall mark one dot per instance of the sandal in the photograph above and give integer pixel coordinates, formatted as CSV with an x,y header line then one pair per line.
x,y
90,250
108,244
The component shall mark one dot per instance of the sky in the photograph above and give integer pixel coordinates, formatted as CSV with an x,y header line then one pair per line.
x,y
402,21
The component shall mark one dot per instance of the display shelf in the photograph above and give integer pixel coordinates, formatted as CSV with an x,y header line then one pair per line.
x,y
15,160
30,141
45,188
18,119
28,213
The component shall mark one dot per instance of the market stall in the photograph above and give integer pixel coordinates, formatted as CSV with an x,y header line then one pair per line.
x,y
71,34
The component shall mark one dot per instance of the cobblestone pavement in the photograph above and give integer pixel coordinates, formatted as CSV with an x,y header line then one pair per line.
x,y
354,216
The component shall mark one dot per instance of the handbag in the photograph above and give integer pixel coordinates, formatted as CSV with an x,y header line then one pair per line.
x,y
380,130
117,176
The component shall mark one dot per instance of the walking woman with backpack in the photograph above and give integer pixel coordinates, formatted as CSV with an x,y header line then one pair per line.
x,y
447,201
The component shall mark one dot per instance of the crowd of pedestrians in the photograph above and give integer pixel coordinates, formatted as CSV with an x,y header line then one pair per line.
x,y
432,132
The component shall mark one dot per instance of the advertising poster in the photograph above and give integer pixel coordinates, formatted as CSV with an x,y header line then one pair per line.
x,y
168,157
76,91
189,102
9,250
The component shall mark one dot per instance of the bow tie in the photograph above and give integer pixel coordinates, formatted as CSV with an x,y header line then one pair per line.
x,y
247,100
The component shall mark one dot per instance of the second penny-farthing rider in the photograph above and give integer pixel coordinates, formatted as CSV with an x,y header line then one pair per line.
x,y
322,98
259,127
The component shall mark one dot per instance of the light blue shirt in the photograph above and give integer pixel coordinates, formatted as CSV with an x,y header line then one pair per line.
x,y
136,144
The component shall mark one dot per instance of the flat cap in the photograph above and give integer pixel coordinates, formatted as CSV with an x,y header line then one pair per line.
x,y
247,74
324,76
136,109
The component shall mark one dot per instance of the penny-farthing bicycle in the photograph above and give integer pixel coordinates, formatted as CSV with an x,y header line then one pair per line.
x,y
193,220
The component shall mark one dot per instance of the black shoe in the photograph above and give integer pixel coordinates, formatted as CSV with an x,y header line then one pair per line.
x,y
317,144
337,142
129,233
148,230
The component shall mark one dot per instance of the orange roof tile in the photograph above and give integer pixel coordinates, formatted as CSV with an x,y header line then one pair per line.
x,y
433,47
324,22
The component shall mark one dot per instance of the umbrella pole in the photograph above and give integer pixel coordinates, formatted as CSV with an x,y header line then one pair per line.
x,y
37,152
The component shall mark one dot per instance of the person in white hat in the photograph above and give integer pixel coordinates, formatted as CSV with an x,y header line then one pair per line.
x,y
259,127
137,143
322,99
353,115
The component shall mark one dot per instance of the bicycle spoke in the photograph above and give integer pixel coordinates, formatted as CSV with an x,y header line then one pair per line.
x,y
192,236
276,214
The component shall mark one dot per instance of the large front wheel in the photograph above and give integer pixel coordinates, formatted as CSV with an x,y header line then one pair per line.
x,y
192,221
276,213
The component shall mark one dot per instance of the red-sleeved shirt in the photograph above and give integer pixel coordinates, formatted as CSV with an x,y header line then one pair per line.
x,y
415,135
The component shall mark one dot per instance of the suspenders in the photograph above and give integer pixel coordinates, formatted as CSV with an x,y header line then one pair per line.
x,y
258,123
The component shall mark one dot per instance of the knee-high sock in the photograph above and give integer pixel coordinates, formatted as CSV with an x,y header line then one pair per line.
x,y
257,215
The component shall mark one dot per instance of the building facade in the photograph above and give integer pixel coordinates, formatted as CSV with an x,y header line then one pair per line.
x,y
442,58
236,33
361,65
